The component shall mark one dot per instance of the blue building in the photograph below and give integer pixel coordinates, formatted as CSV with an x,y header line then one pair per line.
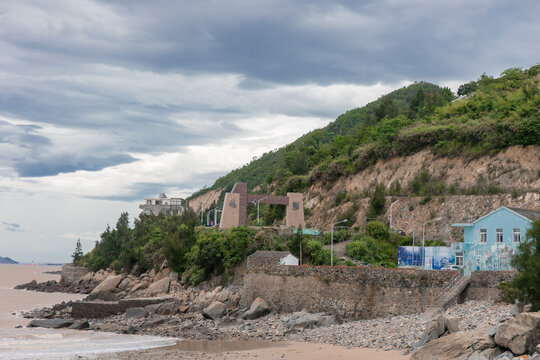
x,y
490,241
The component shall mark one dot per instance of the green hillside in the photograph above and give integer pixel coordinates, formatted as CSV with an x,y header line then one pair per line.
x,y
491,114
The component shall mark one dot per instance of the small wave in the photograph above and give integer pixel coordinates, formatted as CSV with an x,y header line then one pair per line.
x,y
51,344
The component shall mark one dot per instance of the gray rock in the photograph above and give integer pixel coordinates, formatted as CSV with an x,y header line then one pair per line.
x,y
507,355
434,330
452,325
152,308
535,356
477,355
215,311
458,345
106,288
80,325
173,275
169,308
492,353
493,331
51,323
135,313
258,308
159,287
520,334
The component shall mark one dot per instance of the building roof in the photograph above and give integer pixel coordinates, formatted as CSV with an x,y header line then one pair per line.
x,y
306,231
530,214
269,254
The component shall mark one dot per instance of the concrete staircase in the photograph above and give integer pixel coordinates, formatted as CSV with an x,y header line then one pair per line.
x,y
448,295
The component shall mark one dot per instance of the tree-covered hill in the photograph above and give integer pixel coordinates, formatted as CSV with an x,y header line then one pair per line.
x,y
491,114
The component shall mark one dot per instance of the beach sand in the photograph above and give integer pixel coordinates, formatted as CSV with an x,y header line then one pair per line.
x,y
259,350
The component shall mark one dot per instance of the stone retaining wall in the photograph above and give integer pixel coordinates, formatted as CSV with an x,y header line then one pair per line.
x,y
357,292
72,274
349,292
101,309
484,284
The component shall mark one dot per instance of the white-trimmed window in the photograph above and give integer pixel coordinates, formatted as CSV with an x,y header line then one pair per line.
x,y
459,258
517,235
483,235
499,235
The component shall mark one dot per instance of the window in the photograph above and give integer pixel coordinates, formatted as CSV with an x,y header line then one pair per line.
x,y
483,235
517,235
459,258
148,202
499,235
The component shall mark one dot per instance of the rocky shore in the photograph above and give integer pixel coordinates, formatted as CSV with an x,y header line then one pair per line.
x,y
157,304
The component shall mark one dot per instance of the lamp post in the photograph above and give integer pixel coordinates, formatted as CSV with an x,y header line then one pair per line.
x,y
406,222
423,233
391,205
332,241
258,201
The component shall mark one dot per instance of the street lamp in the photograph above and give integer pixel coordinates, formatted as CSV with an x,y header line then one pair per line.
x,y
406,222
258,201
332,241
391,213
423,233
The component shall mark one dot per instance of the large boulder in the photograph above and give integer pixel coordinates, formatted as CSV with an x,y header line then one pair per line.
x,y
215,311
159,287
305,320
459,345
520,334
437,327
51,323
106,288
258,308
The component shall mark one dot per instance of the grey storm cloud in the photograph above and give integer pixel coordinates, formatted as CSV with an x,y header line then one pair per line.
x,y
12,227
72,64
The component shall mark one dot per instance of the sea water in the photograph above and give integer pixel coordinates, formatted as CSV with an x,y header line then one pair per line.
x,y
40,343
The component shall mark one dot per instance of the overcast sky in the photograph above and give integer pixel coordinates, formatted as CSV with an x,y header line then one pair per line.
x,y
104,103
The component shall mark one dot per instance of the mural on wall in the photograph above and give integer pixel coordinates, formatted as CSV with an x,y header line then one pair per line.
x,y
487,257
436,257
407,258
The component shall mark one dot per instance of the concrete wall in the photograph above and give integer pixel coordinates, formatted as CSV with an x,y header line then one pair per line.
x,y
483,284
101,309
231,211
357,292
347,292
72,274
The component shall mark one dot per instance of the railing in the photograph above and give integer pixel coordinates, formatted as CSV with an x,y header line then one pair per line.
x,y
447,287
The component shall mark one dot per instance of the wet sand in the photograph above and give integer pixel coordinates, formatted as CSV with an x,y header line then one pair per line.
x,y
240,350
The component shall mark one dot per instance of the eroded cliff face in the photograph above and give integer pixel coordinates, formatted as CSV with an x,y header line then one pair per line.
x,y
206,199
510,177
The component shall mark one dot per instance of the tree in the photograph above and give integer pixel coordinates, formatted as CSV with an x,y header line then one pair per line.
x,y
377,201
78,253
527,263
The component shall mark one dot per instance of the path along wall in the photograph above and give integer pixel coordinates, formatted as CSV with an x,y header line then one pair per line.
x,y
347,292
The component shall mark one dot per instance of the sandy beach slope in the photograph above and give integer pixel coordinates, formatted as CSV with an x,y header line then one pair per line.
x,y
264,351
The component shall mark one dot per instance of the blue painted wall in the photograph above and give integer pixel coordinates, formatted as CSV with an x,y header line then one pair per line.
x,y
436,257
492,255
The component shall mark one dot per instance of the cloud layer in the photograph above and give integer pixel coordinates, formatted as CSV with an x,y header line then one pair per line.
x,y
111,102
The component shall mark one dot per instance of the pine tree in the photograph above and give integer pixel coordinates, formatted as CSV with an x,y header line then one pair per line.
x,y
78,253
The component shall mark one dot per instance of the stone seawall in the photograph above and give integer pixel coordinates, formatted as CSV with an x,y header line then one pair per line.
x,y
348,292
72,274
101,309
358,292
483,284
